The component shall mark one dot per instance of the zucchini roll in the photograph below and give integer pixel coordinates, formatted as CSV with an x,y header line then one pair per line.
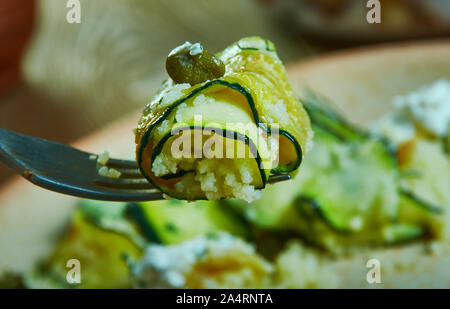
x,y
222,124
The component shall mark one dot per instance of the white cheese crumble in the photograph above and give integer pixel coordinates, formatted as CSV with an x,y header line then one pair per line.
x,y
193,49
356,223
429,107
279,110
168,265
425,109
196,49
183,47
103,158
109,172
397,128
174,94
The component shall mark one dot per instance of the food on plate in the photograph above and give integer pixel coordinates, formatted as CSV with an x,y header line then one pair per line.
x,y
101,239
419,127
221,124
214,261
360,193
333,202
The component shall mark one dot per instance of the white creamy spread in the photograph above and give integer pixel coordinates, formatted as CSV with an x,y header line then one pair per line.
x,y
425,109
429,107
194,49
173,94
167,265
103,157
397,128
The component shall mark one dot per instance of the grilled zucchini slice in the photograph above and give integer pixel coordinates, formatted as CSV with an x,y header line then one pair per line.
x,y
347,194
222,138
100,241
175,221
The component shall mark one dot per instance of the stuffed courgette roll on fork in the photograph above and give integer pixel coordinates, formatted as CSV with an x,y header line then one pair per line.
x,y
222,124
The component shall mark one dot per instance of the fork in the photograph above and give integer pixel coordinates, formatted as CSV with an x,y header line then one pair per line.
x,y
67,170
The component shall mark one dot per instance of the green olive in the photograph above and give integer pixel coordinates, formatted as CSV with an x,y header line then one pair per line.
x,y
192,64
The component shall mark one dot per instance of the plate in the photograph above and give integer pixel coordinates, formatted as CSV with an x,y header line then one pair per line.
x,y
362,82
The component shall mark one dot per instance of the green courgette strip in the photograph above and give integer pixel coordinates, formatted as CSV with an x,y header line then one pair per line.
x,y
312,204
303,201
267,47
420,202
324,118
236,136
170,222
330,122
236,87
176,175
137,214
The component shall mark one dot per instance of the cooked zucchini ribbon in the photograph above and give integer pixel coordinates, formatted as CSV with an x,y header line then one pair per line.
x,y
350,192
222,123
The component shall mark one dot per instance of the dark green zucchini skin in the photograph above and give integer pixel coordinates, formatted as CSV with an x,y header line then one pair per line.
x,y
170,222
323,116
311,214
329,120
413,210
333,123
298,149
225,133
112,217
102,237
308,217
326,121
179,174
419,202
145,231
446,145
136,214
236,87
310,209
268,47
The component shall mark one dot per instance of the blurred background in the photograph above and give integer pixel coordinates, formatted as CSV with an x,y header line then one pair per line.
x,y
62,81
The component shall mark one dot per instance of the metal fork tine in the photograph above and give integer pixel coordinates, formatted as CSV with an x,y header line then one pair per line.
x,y
278,178
127,168
130,174
124,183
122,195
67,170
122,164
